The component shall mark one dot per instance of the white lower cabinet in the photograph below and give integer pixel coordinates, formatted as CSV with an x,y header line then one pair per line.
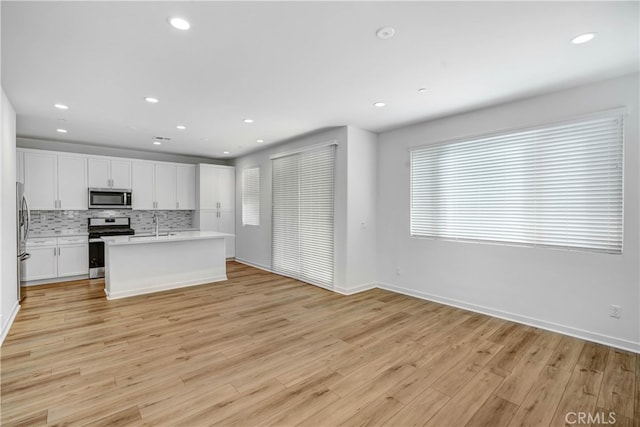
x,y
53,258
73,257
43,263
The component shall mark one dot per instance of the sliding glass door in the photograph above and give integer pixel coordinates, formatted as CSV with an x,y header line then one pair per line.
x,y
303,223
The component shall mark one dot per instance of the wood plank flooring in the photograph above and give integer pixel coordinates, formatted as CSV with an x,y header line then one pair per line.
x,y
261,349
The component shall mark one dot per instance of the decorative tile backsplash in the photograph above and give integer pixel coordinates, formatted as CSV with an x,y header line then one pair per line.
x,y
141,221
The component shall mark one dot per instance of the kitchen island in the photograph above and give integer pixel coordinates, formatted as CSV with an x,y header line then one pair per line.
x,y
136,265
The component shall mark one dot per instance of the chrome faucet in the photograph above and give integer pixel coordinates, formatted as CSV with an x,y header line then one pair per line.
x,y
156,223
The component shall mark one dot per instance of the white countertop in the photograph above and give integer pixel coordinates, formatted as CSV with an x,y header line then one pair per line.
x,y
171,237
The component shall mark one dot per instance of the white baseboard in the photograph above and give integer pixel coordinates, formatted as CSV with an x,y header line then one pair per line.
x,y
56,280
252,264
356,289
7,325
525,320
538,323
163,287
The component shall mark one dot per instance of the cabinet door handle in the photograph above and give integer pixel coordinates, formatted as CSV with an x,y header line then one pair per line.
x,y
177,205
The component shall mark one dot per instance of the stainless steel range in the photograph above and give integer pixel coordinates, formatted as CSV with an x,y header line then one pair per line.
x,y
99,227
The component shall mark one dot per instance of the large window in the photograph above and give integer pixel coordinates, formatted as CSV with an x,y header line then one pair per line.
x,y
558,186
303,193
251,196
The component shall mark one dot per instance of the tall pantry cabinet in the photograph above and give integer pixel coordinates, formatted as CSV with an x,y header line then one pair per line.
x,y
215,187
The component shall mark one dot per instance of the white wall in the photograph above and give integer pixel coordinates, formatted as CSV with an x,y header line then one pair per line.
x,y
568,291
355,203
253,244
362,153
8,267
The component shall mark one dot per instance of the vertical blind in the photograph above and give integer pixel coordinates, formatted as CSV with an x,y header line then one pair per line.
x,y
303,199
558,186
251,196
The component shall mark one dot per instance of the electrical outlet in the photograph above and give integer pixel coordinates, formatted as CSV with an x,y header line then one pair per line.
x,y
397,271
615,311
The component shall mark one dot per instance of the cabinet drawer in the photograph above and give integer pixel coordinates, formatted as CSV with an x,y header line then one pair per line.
x,y
42,241
77,240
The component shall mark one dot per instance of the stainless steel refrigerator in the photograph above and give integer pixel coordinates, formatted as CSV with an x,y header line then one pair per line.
x,y
23,217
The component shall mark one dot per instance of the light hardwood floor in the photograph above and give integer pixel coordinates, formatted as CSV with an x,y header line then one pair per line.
x,y
261,349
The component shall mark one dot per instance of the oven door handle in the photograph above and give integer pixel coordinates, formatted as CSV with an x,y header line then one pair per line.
x,y
96,240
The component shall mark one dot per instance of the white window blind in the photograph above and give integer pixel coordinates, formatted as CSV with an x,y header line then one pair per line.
x,y
251,196
558,186
303,197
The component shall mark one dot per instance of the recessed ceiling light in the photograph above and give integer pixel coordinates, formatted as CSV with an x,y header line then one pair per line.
x,y
259,140
583,38
181,127
61,106
179,23
151,100
422,90
385,32
61,130
248,120
379,104
157,143
225,152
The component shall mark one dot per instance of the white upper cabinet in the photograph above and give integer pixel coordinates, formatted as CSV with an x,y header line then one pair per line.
x,y
54,182
121,173
186,187
41,180
142,189
216,187
72,183
226,188
99,176
207,187
165,186
60,181
109,173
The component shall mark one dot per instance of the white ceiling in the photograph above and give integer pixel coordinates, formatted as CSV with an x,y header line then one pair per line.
x,y
293,67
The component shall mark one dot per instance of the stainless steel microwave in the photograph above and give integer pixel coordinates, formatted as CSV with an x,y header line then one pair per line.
x,y
109,198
